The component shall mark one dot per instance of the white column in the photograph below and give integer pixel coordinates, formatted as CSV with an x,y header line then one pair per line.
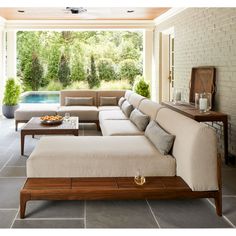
x,y
2,62
148,55
11,53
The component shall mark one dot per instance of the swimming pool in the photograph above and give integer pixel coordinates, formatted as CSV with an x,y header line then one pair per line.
x,y
40,97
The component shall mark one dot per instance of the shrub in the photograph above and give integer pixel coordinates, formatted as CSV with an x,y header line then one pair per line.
x,y
93,80
33,73
106,70
128,69
142,87
12,93
78,85
53,86
64,71
115,85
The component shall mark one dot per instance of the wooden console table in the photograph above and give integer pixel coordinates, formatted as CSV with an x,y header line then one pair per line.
x,y
210,116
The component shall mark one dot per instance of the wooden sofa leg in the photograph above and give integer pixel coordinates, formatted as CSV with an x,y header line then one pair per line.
x,y
218,197
98,126
218,204
24,197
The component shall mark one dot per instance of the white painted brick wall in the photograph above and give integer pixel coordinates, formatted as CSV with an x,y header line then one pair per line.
x,y
207,36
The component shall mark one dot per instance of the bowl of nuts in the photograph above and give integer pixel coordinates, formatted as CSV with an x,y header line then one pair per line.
x,y
51,120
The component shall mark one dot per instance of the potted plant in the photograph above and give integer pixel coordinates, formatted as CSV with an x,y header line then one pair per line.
x,y
11,98
142,87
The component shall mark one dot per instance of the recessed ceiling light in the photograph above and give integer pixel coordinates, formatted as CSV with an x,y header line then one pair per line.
x,y
130,11
21,11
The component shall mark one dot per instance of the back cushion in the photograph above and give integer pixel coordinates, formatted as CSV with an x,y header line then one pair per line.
x,y
127,108
139,119
109,93
150,108
108,101
78,101
128,94
135,99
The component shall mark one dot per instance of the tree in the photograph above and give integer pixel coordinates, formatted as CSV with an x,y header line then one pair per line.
x,y
64,71
77,71
128,69
106,69
33,73
92,78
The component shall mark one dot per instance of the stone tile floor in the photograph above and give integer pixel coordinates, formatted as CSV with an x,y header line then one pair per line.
x,y
198,213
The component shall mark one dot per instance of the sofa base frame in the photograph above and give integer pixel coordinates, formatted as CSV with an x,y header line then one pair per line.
x,y
110,188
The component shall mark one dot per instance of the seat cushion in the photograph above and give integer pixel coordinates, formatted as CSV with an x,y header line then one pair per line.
x,y
69,156
112,115
108,108
26,112
83,112
119,127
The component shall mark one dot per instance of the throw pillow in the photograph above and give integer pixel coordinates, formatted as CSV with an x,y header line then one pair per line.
x,y
139,119
162,140
127,108
121,100
78,101
108,101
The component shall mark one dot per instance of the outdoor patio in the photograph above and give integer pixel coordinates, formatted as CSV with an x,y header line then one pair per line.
x,y
100,214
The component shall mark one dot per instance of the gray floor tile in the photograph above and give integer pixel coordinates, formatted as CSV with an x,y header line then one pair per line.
x,y
17,160
10,192
119,214
228,181
6,218
13,171
229,208
48,224
187,214
54,209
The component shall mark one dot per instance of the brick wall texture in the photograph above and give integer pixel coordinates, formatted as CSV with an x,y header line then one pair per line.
x,y
207,36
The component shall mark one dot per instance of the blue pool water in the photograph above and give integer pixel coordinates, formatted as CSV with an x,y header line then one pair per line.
x,y
40,98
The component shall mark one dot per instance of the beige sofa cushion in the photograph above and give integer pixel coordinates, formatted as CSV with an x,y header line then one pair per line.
x,y
119,127
128,94
78,93
135,99
108,101
112,115
79,101
149,108
108,108
97,157
195,149
85,113
26,112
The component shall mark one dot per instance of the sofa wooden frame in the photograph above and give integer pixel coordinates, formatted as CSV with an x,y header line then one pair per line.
x,y
114,188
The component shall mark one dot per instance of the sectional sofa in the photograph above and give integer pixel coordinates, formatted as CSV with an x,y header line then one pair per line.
x,y
127,145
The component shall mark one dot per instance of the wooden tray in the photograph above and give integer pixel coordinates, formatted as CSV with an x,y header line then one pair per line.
x,y
202,80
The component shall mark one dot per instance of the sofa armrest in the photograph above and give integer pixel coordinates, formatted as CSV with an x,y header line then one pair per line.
x,y
195,149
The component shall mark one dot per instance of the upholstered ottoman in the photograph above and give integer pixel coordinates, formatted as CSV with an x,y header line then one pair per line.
x,y
26,112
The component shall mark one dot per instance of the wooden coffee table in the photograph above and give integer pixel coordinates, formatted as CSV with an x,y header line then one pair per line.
x,y
34,127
